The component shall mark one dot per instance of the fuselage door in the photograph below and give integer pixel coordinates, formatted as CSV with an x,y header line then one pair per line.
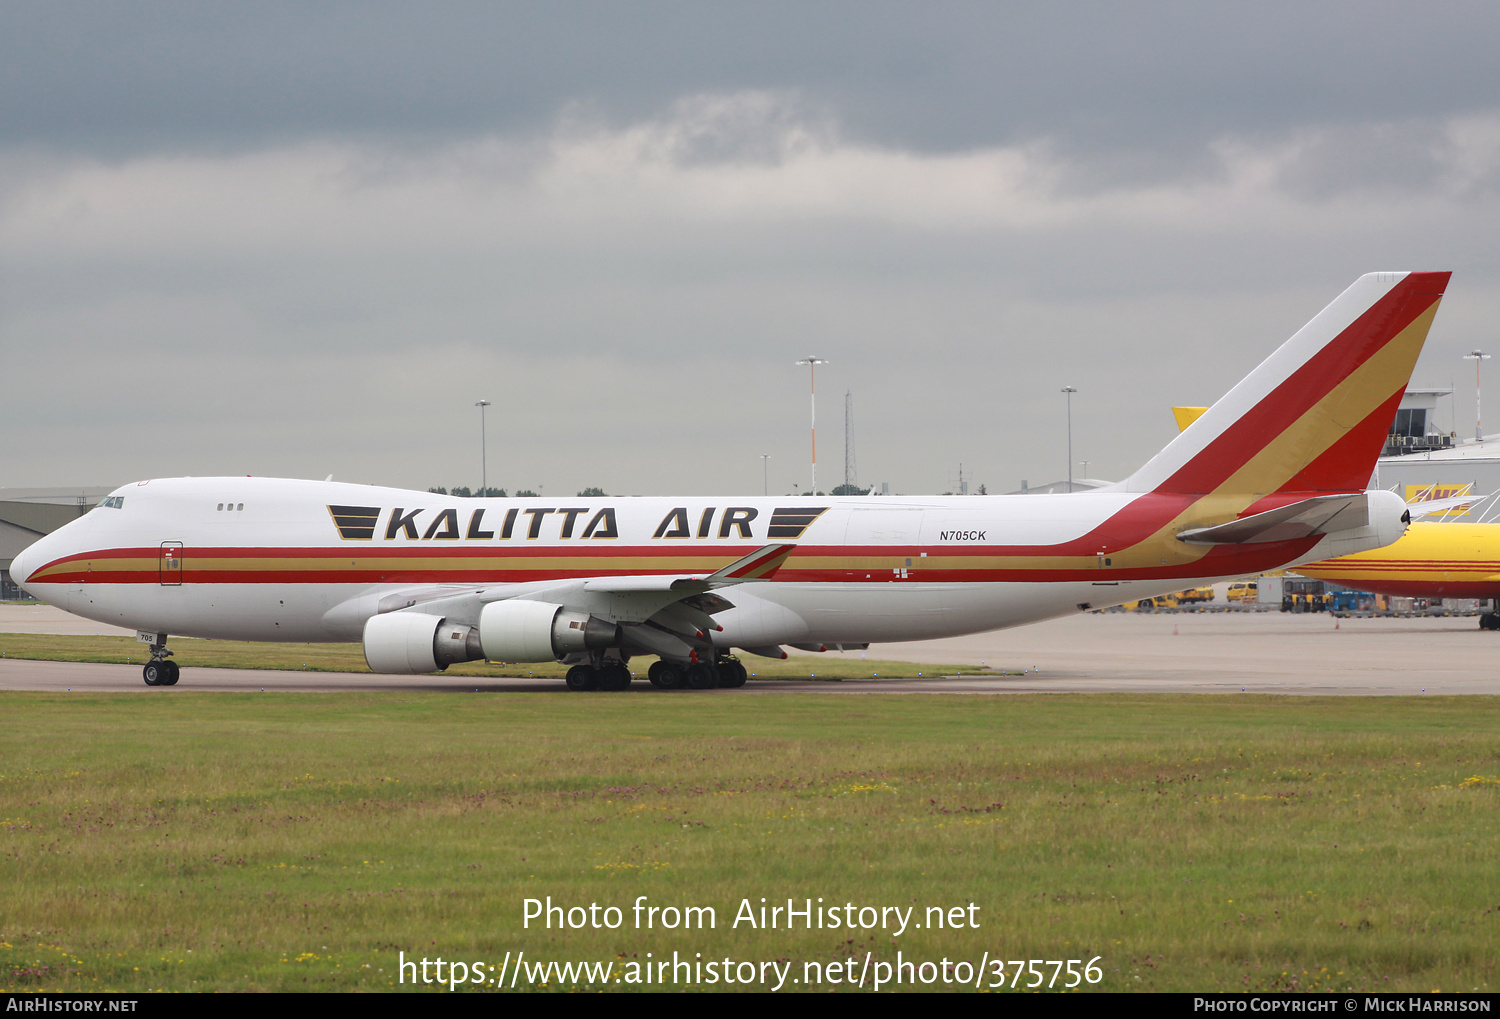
x,y
170,568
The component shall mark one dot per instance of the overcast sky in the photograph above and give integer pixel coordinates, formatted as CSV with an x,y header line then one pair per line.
x,y
298,239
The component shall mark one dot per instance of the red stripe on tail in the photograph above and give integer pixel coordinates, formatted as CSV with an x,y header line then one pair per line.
x,y
1304,388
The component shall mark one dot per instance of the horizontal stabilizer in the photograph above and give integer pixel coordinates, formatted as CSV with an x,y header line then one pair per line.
x,y
1297,520
1431,506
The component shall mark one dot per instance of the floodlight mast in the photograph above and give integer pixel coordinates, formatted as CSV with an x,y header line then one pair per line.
x,y
1070,391
1478,357
484,463
812,365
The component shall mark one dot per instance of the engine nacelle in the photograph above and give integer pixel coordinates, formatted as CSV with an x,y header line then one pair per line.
x,y
404,643
536,631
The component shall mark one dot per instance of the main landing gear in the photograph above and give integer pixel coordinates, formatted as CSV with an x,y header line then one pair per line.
x,y
1489,621
600,673
609,675
160,670
612,674
725,673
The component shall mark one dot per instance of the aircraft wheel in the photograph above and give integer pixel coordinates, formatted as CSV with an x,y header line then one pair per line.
x,y
154,673
614,677
581,677
1488,621
733,674
172,673
701,676
667,676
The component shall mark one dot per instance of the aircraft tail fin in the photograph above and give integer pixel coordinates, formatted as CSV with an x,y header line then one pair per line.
x,y
1313,417
1187,415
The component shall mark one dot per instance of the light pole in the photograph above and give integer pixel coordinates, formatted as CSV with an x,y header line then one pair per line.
x,y
812,366
765,484
1070,391
484,465
1477,356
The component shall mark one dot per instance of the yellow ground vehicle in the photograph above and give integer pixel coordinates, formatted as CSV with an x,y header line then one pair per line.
x,y
1243,591
1195,595
1161,601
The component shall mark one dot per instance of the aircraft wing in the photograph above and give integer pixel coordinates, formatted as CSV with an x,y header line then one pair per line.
x,y
681,602
1318,515
666,615
761,564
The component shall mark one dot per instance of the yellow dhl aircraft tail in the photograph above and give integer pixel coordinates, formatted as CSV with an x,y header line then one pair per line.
x,y
1432,560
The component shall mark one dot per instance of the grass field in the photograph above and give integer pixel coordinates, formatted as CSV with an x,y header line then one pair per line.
x,y
1194,843
245,654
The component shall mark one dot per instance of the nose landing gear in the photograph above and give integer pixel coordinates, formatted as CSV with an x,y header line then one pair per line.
x,y
160,670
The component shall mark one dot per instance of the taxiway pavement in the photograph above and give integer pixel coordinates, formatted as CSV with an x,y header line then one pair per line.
x,y
1271,652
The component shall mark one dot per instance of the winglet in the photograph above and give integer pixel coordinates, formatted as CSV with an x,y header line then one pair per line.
x,y
761,564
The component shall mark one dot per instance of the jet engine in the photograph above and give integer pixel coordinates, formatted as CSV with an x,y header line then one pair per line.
x,y
408,642
536,631
508,631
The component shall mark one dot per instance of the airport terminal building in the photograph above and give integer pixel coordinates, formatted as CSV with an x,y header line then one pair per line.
x,y
1420,462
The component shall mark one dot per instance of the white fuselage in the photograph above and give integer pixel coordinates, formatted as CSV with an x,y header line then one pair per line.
x,y
287,560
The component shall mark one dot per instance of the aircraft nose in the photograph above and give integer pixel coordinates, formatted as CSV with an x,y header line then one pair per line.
x,y
22,565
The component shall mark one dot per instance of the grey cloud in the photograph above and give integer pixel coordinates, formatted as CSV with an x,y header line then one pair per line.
x,y
1138,80
1406,157
635,319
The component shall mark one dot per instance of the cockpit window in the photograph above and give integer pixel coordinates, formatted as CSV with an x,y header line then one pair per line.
x,y
111,502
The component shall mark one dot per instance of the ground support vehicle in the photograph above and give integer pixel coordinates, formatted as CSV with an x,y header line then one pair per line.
x,y
1303,594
